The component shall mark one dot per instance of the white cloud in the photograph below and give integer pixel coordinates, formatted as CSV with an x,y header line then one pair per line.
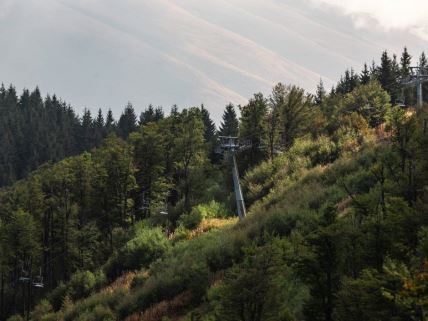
x,y
410,15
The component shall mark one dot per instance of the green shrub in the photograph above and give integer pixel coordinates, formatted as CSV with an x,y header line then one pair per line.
x,y
81,285
201,212
41,310
99,313
147,246
320,151
57,295
97,307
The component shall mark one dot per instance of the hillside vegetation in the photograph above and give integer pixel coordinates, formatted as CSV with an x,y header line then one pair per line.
x,y
142,227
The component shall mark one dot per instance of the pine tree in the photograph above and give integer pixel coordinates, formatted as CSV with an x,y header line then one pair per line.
x,y
210,130
407,93
147,116
423,61
276,103
365,75
127,121
230,124
294,116
348,82
159,114
387,75
320,94
374,71
99,128
210,134
110,124
396,86
253,128
87,130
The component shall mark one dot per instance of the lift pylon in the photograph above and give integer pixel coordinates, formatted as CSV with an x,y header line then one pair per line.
x,y
229,146
418,76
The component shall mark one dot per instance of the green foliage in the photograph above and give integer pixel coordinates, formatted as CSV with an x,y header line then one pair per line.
x,y
254,289
230,123
345,203
202,212
145,247
370,101
41,311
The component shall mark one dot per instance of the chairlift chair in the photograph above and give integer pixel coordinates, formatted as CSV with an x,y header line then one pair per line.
x,y
400,103
164,210
38,281
145,205
25,277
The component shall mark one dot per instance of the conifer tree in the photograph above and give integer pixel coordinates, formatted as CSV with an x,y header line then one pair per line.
x,y
387,75
294,115
99,128
87,130
110,123
159,114
320,94
209,125
253,128
230,124
147,116
423,62
276,102
365,75
127,121
405,62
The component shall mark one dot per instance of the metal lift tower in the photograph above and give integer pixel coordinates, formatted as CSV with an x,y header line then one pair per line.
x,y
418,76
229,146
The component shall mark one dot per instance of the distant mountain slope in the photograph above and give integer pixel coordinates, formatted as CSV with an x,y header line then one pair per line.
x,y
103,53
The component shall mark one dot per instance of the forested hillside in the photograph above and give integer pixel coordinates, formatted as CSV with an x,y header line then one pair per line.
x,y
141,225
36,130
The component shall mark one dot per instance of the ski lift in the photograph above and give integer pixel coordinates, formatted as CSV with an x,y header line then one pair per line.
x,y
400,103
38,281
146,203
228,142
218,150
164,210
25,276
400,100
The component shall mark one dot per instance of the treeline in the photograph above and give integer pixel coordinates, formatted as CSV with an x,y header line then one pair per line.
x,y
390,72
36,130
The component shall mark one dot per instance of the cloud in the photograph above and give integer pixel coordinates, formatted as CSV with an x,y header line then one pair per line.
x,y
409,15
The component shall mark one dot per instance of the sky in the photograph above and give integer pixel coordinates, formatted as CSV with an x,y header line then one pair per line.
x,y
104,53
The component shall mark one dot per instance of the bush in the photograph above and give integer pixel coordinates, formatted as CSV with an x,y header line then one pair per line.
x,y
320,151
41,310
99,313
81,285
147,246
98,307
201,212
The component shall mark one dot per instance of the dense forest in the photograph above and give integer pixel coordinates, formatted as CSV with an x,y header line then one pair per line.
x,y
135,219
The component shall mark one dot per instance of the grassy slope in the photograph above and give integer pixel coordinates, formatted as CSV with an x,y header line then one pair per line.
x,y
178,282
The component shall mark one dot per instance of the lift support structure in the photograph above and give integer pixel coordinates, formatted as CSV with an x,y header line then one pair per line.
x,y
229,146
